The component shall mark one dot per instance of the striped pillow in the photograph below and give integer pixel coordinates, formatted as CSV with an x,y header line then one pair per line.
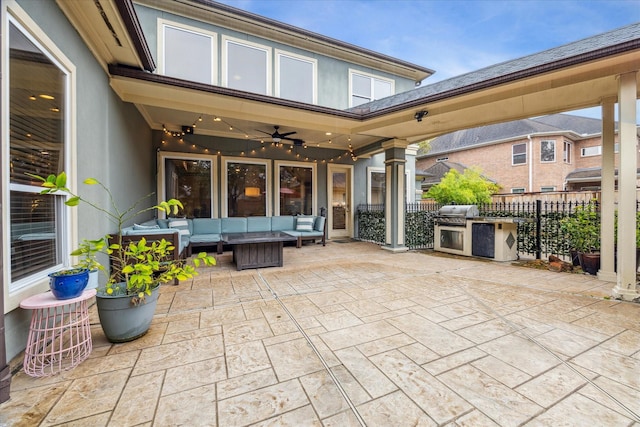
x,y
181,225
304,223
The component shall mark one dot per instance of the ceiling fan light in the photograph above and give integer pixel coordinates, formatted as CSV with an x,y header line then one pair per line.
x,y
277,140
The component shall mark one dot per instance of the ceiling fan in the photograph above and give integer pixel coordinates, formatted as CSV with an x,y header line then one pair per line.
x,y
278,137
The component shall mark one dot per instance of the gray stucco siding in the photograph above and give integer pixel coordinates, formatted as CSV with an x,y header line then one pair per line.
x,y
333,74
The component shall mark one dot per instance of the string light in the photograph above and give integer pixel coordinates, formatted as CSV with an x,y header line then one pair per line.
x,y
289,151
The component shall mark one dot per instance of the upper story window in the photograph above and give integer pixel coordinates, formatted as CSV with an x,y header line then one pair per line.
x,y
296,77
366,87
594,150
547,188
39,113
547,151
247,66
519,154
517,190
187,53
566,152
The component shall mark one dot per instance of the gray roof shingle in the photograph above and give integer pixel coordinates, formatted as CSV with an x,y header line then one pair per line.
x,y
581,49
519,128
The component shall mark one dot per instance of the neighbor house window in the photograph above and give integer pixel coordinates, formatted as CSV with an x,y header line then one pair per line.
x,y
366,88
547,151
38,108
246,66
595,150
245,187
519,154
190,179
296,77
566,152
547,189
187,53
517,190
376,186
442,159
295,188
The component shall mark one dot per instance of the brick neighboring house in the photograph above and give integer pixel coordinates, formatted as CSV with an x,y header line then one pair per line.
x,y
552,153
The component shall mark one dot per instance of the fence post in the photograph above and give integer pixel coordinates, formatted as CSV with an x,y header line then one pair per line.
x,y
538,229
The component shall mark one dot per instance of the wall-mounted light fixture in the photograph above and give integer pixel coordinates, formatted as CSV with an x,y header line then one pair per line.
x,y
420,114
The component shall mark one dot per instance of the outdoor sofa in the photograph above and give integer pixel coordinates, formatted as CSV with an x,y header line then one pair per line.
x,y
187,234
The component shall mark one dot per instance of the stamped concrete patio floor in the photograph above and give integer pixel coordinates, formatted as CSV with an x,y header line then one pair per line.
x,y
350,334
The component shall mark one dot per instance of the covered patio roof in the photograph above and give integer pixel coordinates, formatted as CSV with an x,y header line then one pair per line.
x,y
573,76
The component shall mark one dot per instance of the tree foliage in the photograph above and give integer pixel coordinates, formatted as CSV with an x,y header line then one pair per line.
x,y
468,188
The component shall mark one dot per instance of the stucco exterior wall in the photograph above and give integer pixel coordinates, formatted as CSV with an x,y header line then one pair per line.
x,y
113,142
333,74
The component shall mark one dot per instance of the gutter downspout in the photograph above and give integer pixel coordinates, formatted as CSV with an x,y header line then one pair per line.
x,y
530,163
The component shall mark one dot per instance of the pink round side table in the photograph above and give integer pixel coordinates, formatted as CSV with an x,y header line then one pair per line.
x,y
59,335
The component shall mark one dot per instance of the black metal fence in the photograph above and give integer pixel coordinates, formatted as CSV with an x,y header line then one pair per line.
x,y
540,237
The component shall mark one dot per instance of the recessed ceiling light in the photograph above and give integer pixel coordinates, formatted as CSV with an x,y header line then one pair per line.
x,y
328,133
45,96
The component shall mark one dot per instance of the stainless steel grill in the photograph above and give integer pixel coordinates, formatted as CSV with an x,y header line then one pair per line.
x,y
456,215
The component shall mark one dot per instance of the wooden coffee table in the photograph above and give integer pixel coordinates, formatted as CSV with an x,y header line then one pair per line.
x,y
258,249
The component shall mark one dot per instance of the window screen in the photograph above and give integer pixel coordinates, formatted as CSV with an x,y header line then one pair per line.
x,y
188,55
246,68
296,79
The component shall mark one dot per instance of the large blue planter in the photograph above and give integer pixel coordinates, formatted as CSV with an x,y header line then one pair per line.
x,y
67,284
121,320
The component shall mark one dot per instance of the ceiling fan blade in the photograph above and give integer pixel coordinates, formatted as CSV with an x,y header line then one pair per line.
x,y
261,131
282,135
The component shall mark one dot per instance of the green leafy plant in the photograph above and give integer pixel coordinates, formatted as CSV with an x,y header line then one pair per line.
x,y
582,228
88,252
137,267
468,188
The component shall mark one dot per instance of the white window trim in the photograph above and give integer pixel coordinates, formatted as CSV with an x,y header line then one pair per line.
x,y
224,211
225,70
160,182
68,235
372,76
162,23
381,169
599,153
569,149
370,171
276,182
526,154
314,63
555,151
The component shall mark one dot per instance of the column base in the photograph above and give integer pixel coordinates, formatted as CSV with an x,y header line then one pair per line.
x,y
607,276
624,294
395,249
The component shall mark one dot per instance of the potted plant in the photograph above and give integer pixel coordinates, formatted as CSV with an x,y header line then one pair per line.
x,y
582,229
68,283
88,251
127,302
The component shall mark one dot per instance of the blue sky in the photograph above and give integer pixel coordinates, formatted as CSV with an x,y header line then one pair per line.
x,y
455,36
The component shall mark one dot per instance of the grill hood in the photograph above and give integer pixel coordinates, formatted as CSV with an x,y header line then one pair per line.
x,y
459,211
